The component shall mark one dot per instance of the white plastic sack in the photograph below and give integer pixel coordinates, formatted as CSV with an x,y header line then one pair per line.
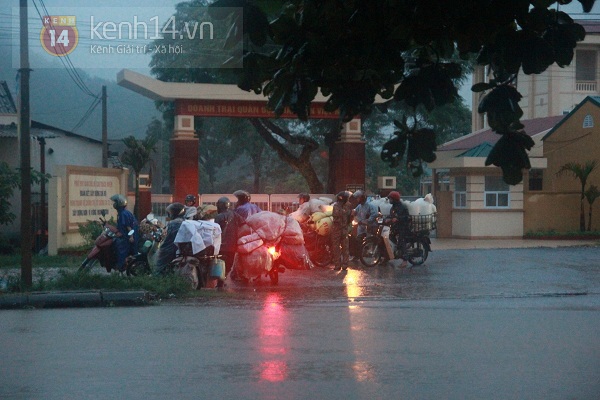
x,y
383,204
423,207
292,233
267,224
302,213
413,209
253,264
200,234
315,205
249,247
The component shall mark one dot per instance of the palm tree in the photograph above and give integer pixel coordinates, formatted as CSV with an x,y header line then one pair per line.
x,y
137,156
581,172
591,194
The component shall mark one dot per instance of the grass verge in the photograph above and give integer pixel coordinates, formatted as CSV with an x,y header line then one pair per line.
x,y
60,261
165,286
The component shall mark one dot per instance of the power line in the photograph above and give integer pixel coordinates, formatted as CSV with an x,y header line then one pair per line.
x,y
66,61
88,113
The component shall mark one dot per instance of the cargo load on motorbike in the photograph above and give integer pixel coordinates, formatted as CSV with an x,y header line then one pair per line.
x,y
268,230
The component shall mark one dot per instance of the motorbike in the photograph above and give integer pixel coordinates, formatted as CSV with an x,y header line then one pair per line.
x,y
378,248
104,250
141,263
249,267
198,268
318,247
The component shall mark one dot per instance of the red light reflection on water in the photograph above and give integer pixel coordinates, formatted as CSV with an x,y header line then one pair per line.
x,y
272,335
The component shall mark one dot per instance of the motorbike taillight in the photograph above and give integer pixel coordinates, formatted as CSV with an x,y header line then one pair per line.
x,y
273,252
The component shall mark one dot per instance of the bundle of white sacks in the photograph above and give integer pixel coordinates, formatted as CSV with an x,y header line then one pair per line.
x,y
318,211
421,206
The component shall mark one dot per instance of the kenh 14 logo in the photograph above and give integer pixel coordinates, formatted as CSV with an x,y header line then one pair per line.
x,y
59,34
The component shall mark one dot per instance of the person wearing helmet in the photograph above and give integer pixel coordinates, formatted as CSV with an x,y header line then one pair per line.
x,y
243,207
168,249
206,212
190,207
342,214
229,221
126,243
399,220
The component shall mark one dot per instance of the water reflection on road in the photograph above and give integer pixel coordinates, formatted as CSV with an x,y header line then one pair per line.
x,y
458,328
272,333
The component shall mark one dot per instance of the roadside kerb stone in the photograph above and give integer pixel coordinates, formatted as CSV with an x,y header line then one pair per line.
x,y
75,299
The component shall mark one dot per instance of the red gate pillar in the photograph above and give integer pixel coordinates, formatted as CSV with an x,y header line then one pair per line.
x,y
347,161
183,177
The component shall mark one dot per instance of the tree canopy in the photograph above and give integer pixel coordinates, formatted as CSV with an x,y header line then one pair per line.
x,y
410,51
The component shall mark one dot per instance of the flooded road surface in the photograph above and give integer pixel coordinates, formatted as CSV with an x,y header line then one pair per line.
x,y
497,324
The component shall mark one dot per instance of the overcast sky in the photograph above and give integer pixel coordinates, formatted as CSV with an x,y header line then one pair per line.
x,y
147,11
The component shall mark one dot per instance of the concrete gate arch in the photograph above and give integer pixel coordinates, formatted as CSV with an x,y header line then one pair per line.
x,y
346,163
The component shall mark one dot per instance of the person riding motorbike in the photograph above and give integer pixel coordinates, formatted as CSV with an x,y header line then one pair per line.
x,y
125,243
168,249
400,220
342,213
243,207
229,222
190,206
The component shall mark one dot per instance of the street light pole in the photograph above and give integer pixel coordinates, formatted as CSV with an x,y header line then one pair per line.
x,y
25,150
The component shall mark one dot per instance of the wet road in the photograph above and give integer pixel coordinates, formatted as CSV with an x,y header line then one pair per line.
x,y
477,324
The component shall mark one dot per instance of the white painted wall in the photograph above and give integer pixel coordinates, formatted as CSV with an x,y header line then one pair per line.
x,y
65,150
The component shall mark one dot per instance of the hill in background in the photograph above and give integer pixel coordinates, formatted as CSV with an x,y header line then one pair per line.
x,y
57,100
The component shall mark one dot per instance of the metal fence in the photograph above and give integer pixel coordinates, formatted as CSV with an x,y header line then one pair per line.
x,y
266,202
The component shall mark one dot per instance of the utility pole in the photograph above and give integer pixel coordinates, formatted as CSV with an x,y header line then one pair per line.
x,y
104,130
25,150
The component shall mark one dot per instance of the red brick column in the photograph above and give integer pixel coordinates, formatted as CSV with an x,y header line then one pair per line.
x,y
183,177
347,160
145,203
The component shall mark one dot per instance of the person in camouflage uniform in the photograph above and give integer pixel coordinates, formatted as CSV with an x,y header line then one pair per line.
x,y
342,214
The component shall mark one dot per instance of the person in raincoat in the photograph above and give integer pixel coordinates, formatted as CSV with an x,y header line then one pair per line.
x,y
126,243
168,249
243,207
229,222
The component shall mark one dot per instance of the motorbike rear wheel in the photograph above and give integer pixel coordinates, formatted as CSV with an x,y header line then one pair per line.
x,y
372,252
321,257
417,252
138,268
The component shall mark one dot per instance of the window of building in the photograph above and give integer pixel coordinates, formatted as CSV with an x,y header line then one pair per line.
x,y
588,121
497,192
460,191
536,179
585,70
